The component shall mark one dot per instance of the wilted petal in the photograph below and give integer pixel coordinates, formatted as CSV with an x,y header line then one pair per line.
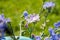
x,y
26,25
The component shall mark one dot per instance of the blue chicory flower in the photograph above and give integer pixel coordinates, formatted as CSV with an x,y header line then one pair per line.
x,y
52,34
3,25
57,24
25,13
51,31
55,37
58,35
48,5
2,17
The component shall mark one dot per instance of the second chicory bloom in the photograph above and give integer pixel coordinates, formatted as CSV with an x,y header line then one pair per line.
x,y
48,5
25,13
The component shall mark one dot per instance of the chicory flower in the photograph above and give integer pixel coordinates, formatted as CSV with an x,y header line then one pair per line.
x,y
25,13
33,18
57,24
55,37
2,17
51,31
48,5
3,26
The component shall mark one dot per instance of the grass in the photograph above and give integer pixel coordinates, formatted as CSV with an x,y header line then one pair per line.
x,y
14,9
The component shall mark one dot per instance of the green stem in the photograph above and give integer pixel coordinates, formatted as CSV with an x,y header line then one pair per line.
x,y
12,31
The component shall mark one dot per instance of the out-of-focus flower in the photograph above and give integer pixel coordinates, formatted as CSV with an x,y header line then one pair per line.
x,y
57,24
55,37
48,5
3,26
59,39
25,13
33,18
37,38
51,31
58,35
2,17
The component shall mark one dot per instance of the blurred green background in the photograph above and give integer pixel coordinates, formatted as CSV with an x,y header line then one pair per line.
x,y
14,9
